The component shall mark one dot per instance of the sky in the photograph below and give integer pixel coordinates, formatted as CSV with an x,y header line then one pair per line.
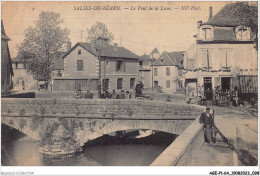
x,y
140,30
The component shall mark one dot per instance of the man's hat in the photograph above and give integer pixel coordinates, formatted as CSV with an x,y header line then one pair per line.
x,y
207,108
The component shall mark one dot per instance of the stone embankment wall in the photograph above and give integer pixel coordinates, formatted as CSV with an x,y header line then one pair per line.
x,y
180,152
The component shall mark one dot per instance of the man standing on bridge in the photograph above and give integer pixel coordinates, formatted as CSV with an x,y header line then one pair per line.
x,y
207,119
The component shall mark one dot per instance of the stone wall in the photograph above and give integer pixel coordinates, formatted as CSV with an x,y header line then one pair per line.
x,y
179,153
63,126
98,108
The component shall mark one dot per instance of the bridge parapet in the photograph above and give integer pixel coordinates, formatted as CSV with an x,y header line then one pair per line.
x,y
111,109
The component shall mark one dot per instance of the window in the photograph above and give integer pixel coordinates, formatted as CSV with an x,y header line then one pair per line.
x,y
79,52
162,60
225,58
105,84
206,58
155,72
207,80
16,65
80,65
206,33
140,64
168,71
120,66
132,83
168,84
243,33
119,83
107,63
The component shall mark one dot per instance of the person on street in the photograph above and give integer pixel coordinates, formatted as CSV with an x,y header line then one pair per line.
x,y
128,95
121,95
113,96
88,95
138,89
207,119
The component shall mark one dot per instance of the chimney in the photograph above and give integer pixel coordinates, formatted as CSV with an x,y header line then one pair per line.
x,y
68,46
210,12
198,29
199,24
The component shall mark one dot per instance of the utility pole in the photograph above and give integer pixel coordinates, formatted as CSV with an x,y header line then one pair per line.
x,y
100,47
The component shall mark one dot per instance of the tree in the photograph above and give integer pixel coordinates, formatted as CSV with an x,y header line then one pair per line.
x,y
42,44
99,29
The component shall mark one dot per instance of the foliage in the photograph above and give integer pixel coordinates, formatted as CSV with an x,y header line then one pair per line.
x,y
11,122
22,123
42,110
46,133
36,121
42,44
99,29
21,112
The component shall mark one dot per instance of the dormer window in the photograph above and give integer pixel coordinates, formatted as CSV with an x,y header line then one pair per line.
x,y
242,33
206,32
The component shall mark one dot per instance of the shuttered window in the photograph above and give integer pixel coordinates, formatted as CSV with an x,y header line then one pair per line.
x,y
80,65
168,71
225,58
132,83
206,58
155,72
119,83
120,66
168,84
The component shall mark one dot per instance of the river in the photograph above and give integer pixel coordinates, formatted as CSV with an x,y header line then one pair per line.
x,y
107,150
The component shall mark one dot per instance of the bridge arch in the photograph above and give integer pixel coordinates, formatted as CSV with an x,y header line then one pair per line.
x,y
169,126
22,127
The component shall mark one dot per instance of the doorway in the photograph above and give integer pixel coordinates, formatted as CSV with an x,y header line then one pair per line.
x,y
156,84
225,84
208,93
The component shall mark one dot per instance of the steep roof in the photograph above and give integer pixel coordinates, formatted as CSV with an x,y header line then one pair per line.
x,y
235,14
109,51
224,34
169,59
3,35
177,57
144,57
155,50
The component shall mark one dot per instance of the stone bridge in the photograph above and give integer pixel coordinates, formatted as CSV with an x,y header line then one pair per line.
x,y
63,126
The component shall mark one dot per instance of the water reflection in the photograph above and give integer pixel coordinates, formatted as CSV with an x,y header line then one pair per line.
x,y
117,150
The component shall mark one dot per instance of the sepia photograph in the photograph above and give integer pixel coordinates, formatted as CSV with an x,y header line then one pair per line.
x,y
129,83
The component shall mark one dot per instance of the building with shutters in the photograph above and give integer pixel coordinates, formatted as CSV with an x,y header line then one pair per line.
x,y
118,68
145,72
223,55
166,72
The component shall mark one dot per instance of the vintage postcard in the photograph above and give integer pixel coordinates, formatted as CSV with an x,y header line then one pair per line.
x,y
113,83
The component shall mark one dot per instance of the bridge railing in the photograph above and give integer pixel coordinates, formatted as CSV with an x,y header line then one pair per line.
x,y
99,108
